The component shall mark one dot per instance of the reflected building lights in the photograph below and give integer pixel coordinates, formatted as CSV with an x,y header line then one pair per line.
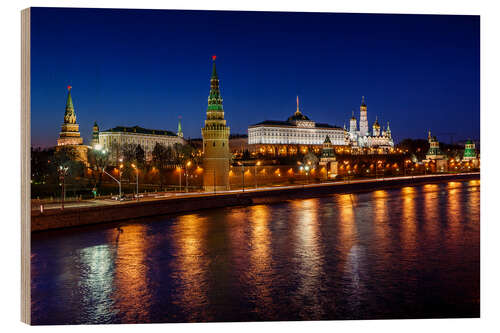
x,y
132,297
191,266
310,259
260,259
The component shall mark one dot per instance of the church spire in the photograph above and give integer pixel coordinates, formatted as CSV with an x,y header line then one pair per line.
x,y
179,128
298,109
69,114
214,70
214,98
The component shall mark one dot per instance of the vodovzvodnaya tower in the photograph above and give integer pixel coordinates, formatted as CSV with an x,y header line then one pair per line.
x,y
215,140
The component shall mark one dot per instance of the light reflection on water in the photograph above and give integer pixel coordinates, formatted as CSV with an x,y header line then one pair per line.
x,y
398,253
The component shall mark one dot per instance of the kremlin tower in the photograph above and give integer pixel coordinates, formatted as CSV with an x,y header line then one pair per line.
x,y
95,134
70,135
179,129
376,127
352,123
363,118
215,140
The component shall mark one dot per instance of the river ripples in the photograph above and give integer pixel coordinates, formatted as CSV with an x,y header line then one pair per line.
x,y
410,252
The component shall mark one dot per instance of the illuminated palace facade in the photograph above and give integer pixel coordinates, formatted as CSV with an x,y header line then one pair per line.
x,y
299,132
112,140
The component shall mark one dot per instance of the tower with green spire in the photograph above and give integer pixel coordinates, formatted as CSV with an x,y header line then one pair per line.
x,y
328,159
179,129
469,151
95,134
69,134
215,135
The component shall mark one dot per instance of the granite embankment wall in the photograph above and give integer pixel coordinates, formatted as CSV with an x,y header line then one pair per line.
x,y
71,217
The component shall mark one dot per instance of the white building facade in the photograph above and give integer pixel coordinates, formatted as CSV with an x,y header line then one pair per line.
x,y
296,130
300,130
113,139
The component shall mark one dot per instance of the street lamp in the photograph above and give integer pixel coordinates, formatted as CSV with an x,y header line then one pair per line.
x,y
120,174
258,163
116,180
62,175
136,181
188,164
307,173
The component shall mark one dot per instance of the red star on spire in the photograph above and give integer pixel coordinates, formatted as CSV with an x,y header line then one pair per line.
x,y
214,57
69,88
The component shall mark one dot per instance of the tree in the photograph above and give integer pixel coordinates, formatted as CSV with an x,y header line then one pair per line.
x,y
98,160
160,160
140,158
311,160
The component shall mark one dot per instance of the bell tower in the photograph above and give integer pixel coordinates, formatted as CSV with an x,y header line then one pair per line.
x,y
215,135
363,118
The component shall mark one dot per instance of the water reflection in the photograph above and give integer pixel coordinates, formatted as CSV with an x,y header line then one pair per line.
x,y
454,213
132,298
95,287
381,222
191,266
396,253
260,271
431,211
309,257
409,223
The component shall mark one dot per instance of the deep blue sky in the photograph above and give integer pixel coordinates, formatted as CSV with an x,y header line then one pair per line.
x,y
147,67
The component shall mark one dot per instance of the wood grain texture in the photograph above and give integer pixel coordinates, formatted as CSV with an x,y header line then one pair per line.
x,y
25,166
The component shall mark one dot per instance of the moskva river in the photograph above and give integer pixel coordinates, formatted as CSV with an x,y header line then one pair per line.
x,y
410,252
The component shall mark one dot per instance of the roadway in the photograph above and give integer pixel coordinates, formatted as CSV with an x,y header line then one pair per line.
x,y
173,195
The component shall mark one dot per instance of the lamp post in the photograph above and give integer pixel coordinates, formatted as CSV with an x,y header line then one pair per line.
x,y
62,175
136,181
180,179
188,164
116,180
255,166
307,173
120,174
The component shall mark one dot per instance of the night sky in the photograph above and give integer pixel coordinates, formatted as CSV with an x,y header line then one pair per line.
x,y
146,68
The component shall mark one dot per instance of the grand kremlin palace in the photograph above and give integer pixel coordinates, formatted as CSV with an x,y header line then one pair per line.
x,y
299,132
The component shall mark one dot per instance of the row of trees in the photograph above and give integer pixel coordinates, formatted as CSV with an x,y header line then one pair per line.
x,y
45,164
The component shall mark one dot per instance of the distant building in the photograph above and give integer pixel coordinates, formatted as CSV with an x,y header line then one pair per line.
x,y
470,151
470,154
435,154
215,135
113,139
328,159
70,134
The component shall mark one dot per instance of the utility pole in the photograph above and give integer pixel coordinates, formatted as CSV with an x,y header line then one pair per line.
x,y
62,175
